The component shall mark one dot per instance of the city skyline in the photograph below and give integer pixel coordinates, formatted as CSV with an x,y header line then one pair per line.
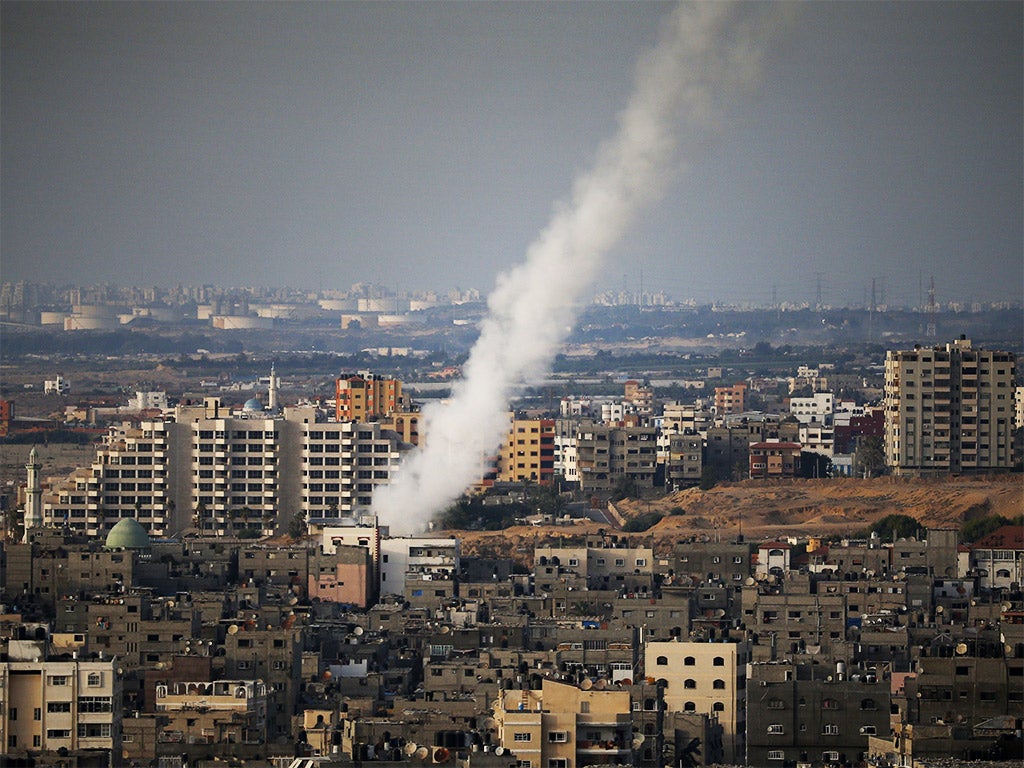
x,y
424,146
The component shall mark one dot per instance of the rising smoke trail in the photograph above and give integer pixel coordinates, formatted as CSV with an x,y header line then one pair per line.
x,y
708,50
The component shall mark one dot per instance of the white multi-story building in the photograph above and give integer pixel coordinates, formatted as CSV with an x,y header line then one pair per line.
x,y
342,463
226,475
816,409
421,559
129,478
817,438
233,469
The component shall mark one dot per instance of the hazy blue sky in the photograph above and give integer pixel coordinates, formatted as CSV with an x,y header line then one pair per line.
x,y
425,145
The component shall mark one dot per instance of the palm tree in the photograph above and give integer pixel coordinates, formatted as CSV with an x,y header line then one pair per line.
x,y
870,455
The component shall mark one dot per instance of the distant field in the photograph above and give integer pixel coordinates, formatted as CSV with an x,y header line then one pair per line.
x,y
57,459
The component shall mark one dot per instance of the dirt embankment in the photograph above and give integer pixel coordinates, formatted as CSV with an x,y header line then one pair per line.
x,y
762,509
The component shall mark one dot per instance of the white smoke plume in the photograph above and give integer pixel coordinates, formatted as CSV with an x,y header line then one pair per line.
x,y
707,52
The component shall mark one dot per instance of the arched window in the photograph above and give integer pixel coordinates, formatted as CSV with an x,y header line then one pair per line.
x,y
689,683
662,661
1003,573
718,685
718,707
868,704
689,661
718,661
689,707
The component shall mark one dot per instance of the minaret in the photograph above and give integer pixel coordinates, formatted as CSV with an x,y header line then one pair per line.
x,y
33,495
272,393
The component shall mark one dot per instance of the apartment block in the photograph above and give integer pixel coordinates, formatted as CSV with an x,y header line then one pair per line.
x,y
705,678
129,477
949,409
731,400
227,475
565,726
775,459
58,705
812,714
607,455
367,396
528,454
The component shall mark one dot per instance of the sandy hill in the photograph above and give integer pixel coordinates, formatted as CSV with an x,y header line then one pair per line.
x,y
764,509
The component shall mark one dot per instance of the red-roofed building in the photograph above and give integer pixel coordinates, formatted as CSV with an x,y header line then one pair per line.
x,y
998,558
775,459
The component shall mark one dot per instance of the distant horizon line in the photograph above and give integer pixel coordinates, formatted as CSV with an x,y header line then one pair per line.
x,y
649,299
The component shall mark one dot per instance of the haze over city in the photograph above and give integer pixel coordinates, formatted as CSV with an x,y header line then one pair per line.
x,y
425,145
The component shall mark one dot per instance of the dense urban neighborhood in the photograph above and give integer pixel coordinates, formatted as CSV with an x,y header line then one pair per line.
x,y
194,571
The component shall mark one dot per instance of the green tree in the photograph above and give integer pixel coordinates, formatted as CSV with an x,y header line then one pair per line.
x,y
708,477
297,526
870,455
983,526
892,527
625,488
642,522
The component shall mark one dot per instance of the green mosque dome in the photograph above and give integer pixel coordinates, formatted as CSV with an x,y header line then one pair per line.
x,y
128,534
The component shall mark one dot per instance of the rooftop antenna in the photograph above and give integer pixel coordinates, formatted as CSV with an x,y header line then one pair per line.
x,y
932,310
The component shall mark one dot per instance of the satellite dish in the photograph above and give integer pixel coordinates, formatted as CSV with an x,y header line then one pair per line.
x,y
159,665
626,681
358,631
586,684
422,752
410,749
293,600
961,649
489,723
170,603
638,740
749,581
719,613
601,684
939,609
441,755
499,751
233,629
445,629
1006,606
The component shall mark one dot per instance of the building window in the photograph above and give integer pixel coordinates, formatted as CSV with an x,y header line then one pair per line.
x,y
662,661
94,680
689,683
718,707
522,737
689,661
776,728
558,737
585,707
718,661
776,754
718,685
558,762
830,729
